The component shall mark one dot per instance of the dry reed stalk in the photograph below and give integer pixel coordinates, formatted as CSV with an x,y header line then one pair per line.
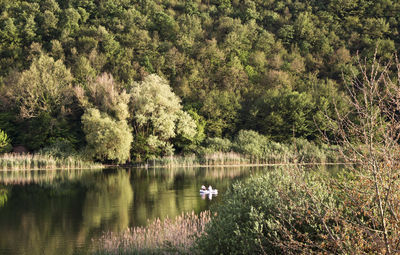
x,y
161,236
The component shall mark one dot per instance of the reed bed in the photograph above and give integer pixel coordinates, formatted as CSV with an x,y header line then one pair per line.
x,y
210,159
159,237
284,155
14,161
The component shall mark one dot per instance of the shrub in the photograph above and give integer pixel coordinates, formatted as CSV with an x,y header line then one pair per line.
x,y
60,148
217,144
250,142
307,151
273,214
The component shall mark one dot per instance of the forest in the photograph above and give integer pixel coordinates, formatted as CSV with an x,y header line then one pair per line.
x,y
114,82
123,80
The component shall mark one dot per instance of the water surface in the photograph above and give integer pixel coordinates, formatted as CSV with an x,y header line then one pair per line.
x,y
59,212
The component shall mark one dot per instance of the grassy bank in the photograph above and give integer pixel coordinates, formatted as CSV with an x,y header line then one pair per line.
x,y
14,162
159,237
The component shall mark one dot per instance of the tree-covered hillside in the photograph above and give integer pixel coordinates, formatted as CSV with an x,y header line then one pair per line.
x,y
83,72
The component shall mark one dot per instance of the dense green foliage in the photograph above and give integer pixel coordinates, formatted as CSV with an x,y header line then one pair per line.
x,y
256,148
295,210
275,67
265,214
106,138
158,116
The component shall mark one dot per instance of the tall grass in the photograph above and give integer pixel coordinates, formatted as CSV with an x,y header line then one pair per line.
x,y
12,161
210,159
279,154
159,237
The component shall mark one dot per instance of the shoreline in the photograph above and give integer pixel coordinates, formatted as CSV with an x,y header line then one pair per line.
x,y
175,166
229,165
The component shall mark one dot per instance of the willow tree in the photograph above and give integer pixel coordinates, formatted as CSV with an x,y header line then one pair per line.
x,y
107,138
158,115
105,94
105,125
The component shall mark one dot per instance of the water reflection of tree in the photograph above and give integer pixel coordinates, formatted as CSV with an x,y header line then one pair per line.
x,y
41,177
50,213
108,203
54,221
3,195
161,193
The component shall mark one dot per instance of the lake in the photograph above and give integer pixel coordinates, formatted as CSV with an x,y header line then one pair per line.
x,y
59,212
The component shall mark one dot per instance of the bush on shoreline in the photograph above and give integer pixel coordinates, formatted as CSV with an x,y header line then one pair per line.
x,y
272,214
249,147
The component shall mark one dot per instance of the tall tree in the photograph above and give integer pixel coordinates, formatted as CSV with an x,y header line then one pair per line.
x,y
107,138
158,115
45,87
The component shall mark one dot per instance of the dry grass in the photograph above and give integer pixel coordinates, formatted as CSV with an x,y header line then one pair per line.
x,y
160,237
13,161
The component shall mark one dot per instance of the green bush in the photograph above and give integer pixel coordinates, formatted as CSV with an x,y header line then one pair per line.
x,y
271,214
250,142
217,144
60,148
307,151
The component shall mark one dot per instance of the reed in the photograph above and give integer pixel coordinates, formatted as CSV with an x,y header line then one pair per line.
x,y
210,159
14,162
159,237
275,153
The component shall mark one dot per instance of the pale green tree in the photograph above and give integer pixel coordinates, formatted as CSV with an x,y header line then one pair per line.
x,y
44,87
105,125
104,93
185,125
158,115
107,138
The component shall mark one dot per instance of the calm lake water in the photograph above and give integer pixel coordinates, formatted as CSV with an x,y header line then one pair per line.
x,y
59,212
